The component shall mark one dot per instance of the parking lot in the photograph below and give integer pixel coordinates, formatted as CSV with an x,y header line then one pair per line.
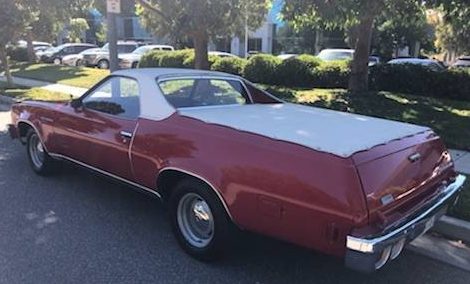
x,y
77,227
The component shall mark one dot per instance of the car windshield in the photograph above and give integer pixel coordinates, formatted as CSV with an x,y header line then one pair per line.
x,y
332,55
143,49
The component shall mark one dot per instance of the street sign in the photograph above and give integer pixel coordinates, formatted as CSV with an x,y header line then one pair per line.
x,y
113,6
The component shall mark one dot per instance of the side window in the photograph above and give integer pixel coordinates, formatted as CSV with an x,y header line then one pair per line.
x,y
203,92
117,96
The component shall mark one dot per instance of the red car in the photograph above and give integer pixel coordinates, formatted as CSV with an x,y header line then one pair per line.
x,y
219,152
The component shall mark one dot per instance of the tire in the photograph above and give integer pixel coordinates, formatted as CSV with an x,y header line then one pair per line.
x,y
39,159
78,63
103,64
135,65
57,61
212,239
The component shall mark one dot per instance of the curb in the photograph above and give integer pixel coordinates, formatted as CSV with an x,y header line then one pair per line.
x,y
453,228
8,100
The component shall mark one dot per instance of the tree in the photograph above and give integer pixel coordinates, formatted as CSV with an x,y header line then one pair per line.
x,y
360,14
201,20
76,29
452,22
11,26
50,14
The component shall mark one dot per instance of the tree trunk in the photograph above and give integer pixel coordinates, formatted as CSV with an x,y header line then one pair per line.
x,y
30,46
6,66
358,82
201,60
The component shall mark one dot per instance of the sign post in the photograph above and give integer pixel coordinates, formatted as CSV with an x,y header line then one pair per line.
x,y
113,8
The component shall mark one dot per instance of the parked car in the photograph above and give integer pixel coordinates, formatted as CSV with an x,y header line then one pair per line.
x,y
374,60
335,54
221,54
131,60
77,59
432,65
55,54
37,45
220,152
100,58
287,56
462,62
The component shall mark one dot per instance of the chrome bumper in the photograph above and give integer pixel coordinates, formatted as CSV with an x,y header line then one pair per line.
x,y
371,253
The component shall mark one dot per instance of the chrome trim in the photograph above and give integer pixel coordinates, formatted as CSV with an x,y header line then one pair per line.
x,y
126,134
204,180
59,156
129,150
370,245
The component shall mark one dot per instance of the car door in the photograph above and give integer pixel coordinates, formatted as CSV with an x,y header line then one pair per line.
x,y
99,133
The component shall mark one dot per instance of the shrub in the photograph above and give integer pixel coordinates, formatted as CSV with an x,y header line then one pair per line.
x,y
17,53
189,60
297,72
334,74
232,65
262,68
173,59
418,80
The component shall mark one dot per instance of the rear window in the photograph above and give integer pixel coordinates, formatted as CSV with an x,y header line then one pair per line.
x,y
181,93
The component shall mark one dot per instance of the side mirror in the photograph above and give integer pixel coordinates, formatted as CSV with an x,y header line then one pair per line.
x,y
76,103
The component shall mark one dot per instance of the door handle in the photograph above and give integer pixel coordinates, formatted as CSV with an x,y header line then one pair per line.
x,y
126,134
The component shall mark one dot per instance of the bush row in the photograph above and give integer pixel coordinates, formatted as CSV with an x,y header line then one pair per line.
x,y
308,71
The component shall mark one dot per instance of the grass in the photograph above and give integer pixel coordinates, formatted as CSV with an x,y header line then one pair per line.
x,y
449,118
462,209
31,93
73,76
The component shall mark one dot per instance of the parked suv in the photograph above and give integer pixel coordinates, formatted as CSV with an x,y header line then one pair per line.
x,y
55,54
100,58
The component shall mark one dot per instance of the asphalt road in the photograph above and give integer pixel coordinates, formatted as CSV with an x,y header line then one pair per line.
x,y
75,227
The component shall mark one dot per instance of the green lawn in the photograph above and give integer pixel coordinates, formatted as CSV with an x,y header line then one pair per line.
x,y
449,118
32,93
73,76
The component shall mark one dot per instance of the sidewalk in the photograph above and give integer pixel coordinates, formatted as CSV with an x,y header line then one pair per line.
x,y
461,160
53,87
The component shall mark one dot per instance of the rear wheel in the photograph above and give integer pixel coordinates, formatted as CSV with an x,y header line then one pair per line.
x,y
40,161
57,61
199,220
103,64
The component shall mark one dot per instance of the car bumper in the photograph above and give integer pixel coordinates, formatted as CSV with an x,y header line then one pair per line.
x,y
373,252
13,131
125,65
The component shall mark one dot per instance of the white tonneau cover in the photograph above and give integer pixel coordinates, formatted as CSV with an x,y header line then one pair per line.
x,y
334,132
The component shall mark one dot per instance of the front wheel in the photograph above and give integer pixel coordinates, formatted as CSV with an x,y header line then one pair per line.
x,y
199,220
103,64
40,161
57,61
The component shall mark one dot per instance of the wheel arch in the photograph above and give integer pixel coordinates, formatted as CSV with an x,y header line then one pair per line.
x,y
168,178
23,127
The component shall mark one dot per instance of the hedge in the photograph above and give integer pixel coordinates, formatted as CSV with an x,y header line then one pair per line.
x,y
418,80
232,65
307,71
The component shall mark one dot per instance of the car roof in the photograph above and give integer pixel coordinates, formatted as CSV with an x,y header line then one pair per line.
x,y
338,50
412,60
170,72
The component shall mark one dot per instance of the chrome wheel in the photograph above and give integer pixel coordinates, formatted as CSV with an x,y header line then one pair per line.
x,y
195,220
57,61
36,151
103,64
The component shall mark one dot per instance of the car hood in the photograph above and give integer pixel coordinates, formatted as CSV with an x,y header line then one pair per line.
x,y
338,133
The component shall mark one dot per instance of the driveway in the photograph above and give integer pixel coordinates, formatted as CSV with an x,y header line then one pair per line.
x,y
75,227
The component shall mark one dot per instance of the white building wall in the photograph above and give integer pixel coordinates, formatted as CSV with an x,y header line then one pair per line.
x,y
265,33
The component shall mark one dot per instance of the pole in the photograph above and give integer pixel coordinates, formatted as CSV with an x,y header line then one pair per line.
x,y
246,32
112,40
